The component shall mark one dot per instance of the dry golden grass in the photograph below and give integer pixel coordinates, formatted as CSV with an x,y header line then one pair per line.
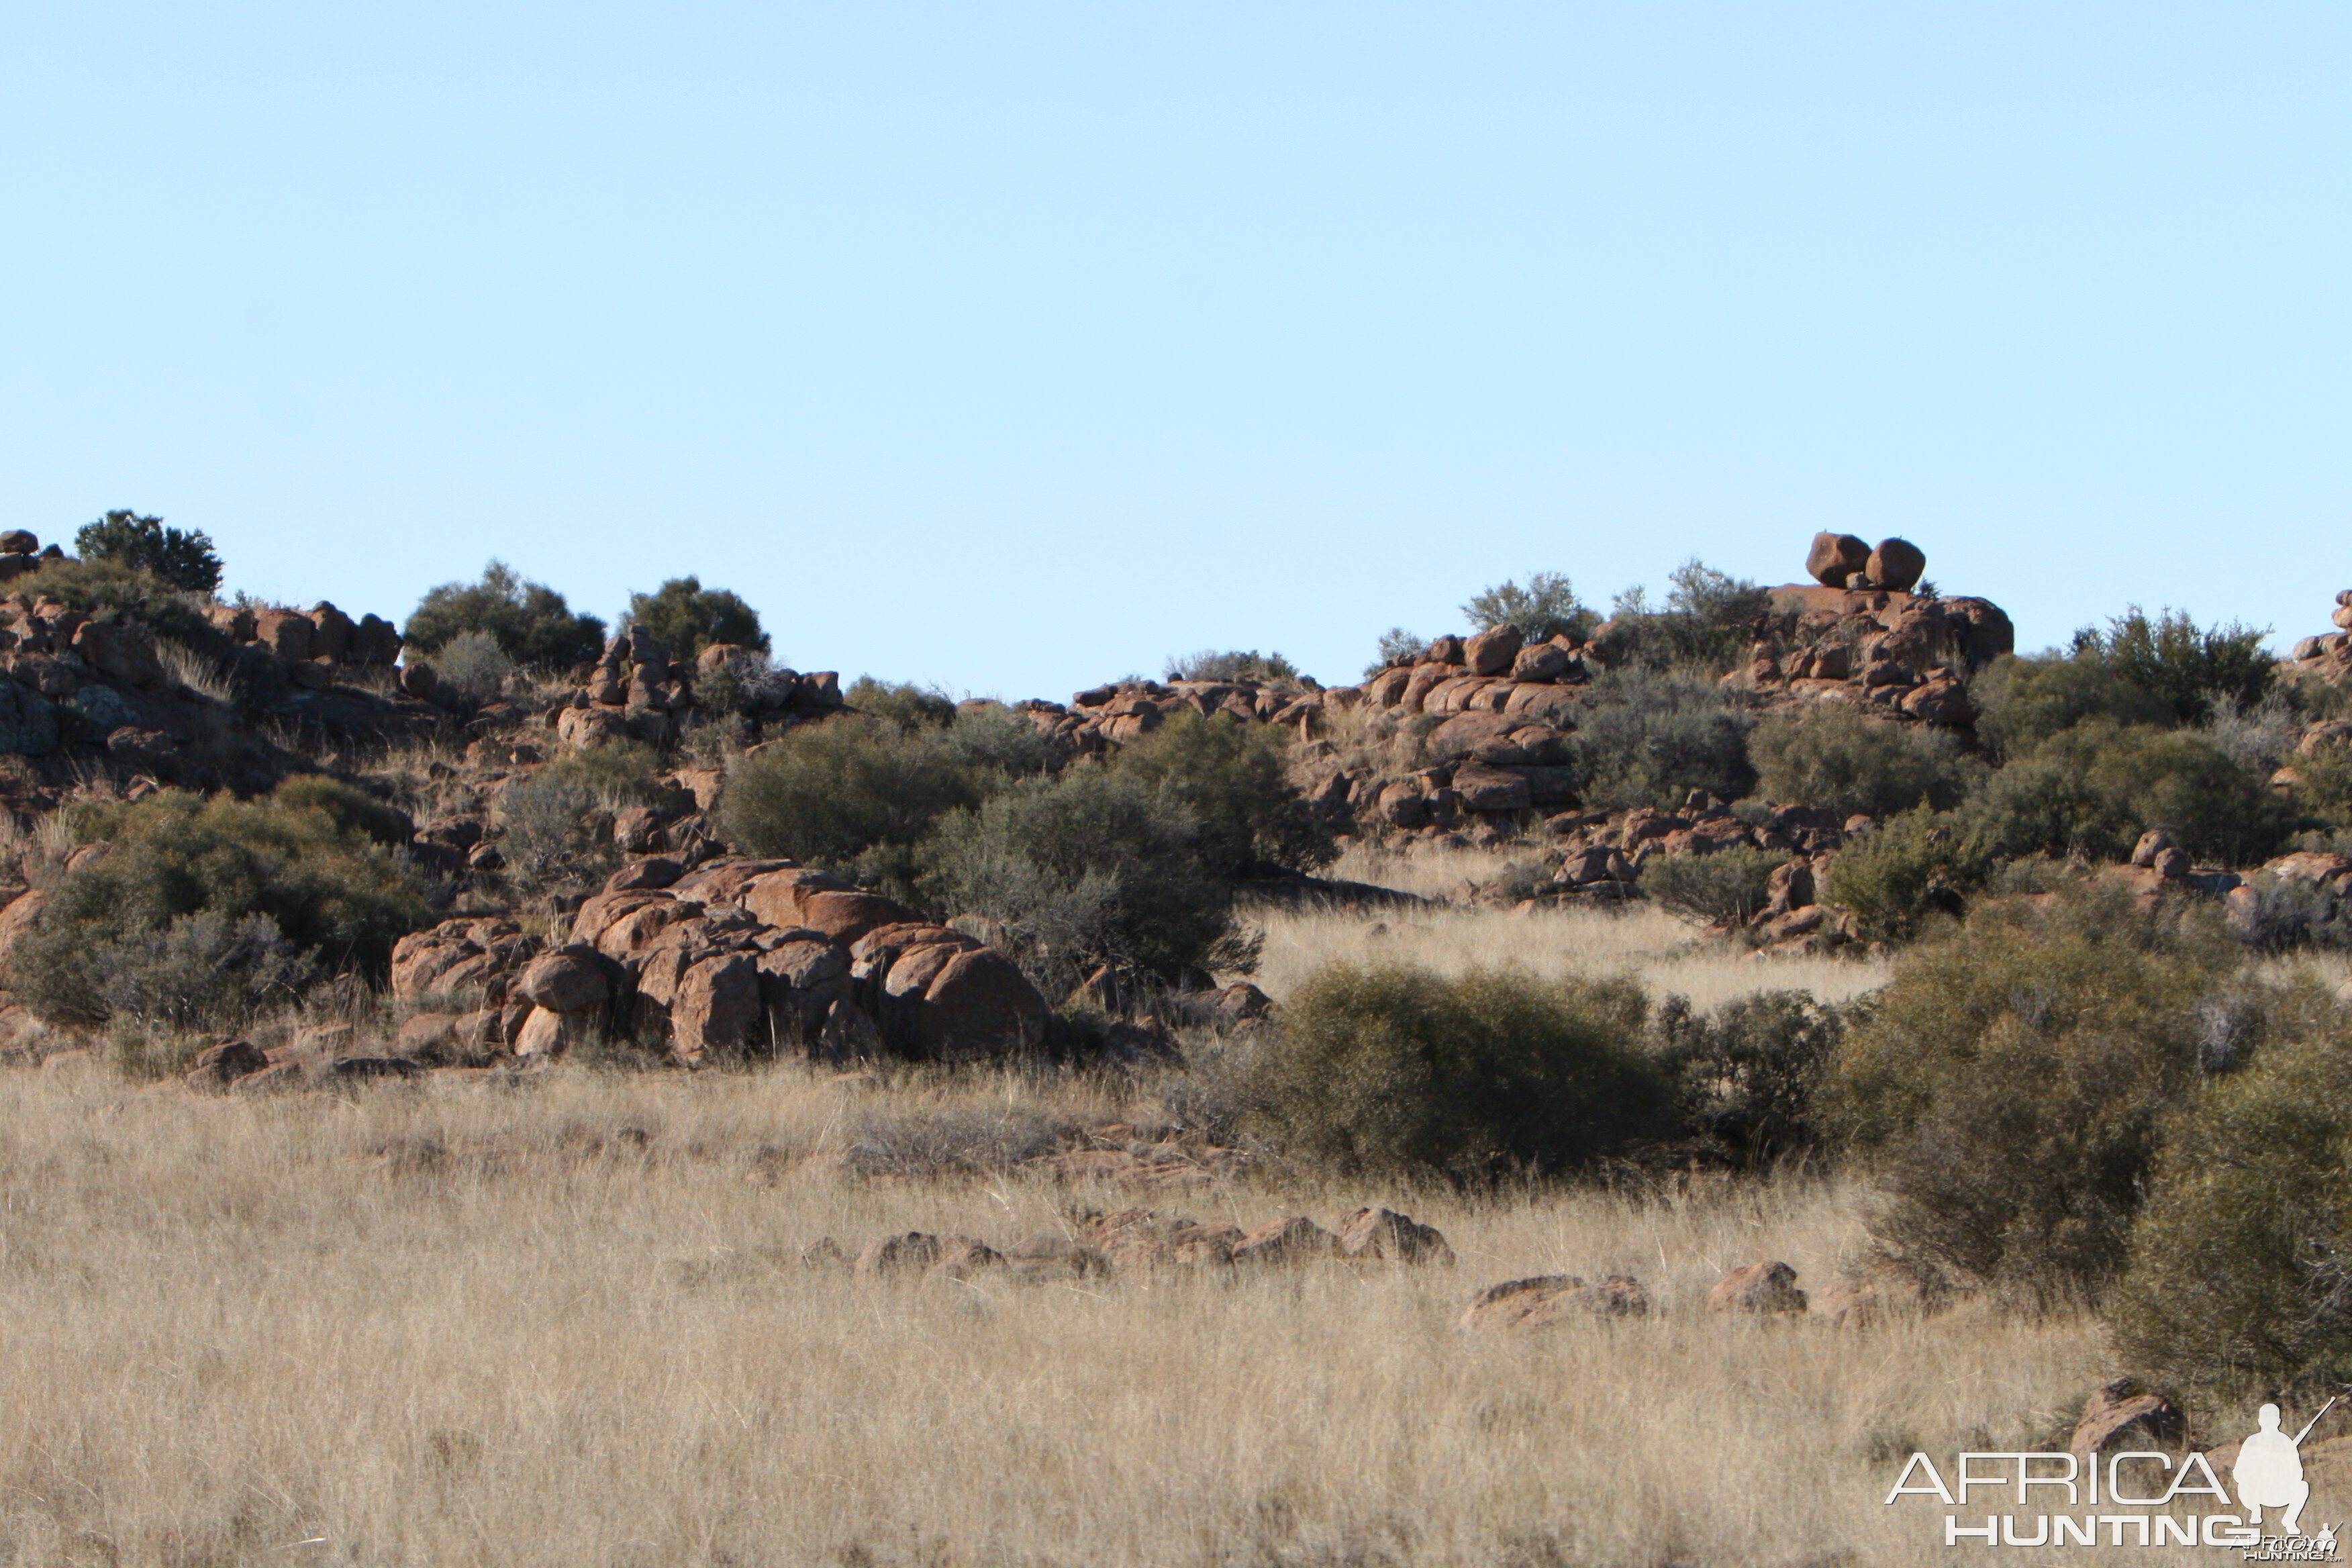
x,y
562,1323
1667,953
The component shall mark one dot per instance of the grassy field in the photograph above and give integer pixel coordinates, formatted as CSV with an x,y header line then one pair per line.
x,y
1667,953
566,1324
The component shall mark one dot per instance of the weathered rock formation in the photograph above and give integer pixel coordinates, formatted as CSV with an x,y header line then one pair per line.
x,y
737,956
636,690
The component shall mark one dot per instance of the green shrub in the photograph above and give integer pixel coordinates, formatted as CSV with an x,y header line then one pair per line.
x,y
1397,645
685,617
2011,1081
1233,778
2095,788
544,816
1708,623
268,893
741,684
1091,866
530,621
2184,664
2323,783
904,704
1650,736
183,557
1210,664
1751,1071
1544,609
2241,1262
1395,1069
1727,887
826,794
120,594
2023,702
1830,755
1916,864
474,665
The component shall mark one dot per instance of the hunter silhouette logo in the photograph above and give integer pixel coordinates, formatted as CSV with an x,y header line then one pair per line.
x,y
2133,1498
2268,1471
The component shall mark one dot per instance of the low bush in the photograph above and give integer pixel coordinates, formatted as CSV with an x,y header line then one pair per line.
x,y
1233,778
2186,665
2012,1082
2021,701
1394,1069
1648,737
118,592
1708,621
2094,789
202,910
830,792
741,684
545,817
1543,609
1915,865
1830,755
1090,867
185,558
530,621
1210,664
1750,1073
2241,1266
1729,886
685,617
474,665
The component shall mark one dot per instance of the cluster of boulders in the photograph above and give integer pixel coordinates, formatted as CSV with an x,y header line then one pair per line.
x,y
1882,649
317,645
21,551
1847,560
1766,1288
2327,656
1097,719
734,956
102,682
1598,856
636,690
1135,1238
1499,751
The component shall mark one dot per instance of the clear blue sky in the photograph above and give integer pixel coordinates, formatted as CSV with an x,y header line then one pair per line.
x,y
1016,346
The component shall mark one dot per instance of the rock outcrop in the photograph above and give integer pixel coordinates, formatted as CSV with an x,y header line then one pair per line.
x,y
734,957
636,690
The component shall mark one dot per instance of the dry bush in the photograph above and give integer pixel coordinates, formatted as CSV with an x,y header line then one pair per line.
x,y
1387,1067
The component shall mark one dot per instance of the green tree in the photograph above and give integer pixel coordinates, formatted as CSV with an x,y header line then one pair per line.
x,y
1545,607
181,557
530,621
687,617
2186,665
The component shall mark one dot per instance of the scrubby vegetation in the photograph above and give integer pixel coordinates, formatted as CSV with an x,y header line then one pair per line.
x,y
1649,737
183,557
1210,664
530,621
2239,1266
202,912
1394,1069
1545,607
1829,756
1727,887
1130,861
2013,1080
685,617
